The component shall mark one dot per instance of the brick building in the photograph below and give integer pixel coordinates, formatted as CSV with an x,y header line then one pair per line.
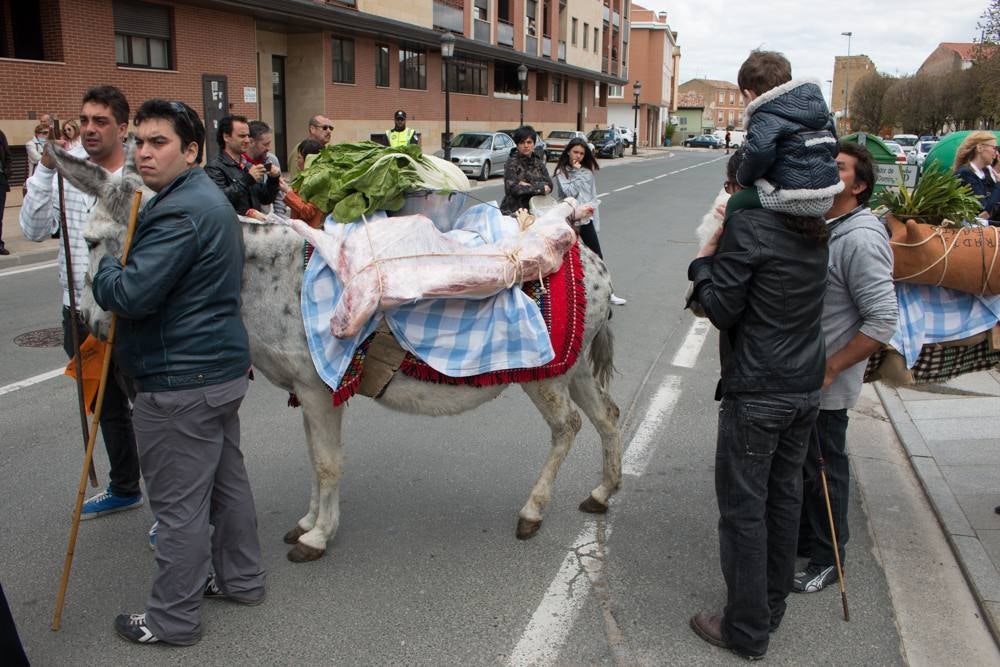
x,y
951,57
283,61
724,103
847,71
657,70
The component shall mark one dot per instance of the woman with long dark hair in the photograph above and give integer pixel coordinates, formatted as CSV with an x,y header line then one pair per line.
x,y
575,177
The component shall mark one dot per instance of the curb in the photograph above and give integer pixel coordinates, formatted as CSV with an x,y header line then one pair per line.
x,y
978,568
25,258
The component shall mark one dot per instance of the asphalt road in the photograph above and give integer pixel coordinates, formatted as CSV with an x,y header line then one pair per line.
x,y
425,568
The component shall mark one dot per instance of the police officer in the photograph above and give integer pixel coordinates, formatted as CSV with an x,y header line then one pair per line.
x,y
401,135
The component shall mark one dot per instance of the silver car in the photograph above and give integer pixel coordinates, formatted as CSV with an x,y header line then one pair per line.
x,y
480,154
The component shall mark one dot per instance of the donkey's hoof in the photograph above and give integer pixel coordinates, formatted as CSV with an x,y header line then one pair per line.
x,y
303,553
526,528
292,536
593,506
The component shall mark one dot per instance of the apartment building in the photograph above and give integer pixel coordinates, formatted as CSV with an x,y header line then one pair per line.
x,y
656,68
724,104
282,61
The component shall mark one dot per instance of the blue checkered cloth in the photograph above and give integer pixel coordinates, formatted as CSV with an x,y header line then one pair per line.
x,y
929,314
457,337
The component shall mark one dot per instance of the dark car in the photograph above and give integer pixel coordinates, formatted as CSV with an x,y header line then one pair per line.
x,y
704,141
539,142
607,143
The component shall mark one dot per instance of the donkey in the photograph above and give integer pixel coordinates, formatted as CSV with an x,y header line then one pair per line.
x,y
272,282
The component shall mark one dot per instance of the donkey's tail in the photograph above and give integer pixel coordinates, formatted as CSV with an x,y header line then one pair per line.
x,y
602,356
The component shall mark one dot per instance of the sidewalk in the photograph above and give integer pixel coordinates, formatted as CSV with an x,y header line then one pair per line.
x,y
951,436
23,251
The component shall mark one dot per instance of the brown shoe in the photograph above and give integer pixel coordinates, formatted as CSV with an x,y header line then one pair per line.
x,y
709,627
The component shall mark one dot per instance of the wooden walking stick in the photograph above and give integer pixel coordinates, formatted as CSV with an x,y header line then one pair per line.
x,y
74,333
833,530
68,563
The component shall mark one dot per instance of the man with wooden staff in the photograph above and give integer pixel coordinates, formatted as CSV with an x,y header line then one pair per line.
x,y
859,316
183,346
103,125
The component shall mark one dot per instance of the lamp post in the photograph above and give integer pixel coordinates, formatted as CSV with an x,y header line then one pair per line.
x,y
847,83
636,87
522,77
447,51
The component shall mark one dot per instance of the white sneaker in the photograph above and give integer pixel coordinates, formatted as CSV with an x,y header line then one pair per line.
x,y
617,300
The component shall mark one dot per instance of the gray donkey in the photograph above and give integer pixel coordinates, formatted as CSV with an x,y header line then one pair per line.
x,y
272,281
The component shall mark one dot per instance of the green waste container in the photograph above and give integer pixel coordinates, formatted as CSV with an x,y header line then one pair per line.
x,y
882,156
942,156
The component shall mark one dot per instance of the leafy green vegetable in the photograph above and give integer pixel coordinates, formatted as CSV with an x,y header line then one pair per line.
x,y
938,199
352,179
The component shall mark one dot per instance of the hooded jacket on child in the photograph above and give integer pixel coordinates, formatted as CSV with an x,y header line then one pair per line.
x,y
791,142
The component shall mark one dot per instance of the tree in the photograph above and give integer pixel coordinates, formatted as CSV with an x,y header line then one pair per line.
x,y
868,110
987,56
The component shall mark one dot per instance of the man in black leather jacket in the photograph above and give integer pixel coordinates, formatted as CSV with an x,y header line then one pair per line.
x,y
182,342
763,288
246,185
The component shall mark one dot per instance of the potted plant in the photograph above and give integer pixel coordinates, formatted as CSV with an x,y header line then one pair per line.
x,y
668,134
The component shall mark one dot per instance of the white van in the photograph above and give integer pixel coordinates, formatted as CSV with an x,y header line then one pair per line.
x,y
736,137
907,141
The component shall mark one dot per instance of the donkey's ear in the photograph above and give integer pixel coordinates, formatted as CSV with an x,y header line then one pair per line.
x,y
131,180
83,174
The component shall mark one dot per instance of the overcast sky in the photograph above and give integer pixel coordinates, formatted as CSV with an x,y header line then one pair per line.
x,y
716,35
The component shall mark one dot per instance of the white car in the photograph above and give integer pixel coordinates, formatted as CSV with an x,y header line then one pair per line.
x,y
626,133
907,141
923,148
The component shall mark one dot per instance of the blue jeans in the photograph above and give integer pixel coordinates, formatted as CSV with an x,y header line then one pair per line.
x,y
759,454
831,427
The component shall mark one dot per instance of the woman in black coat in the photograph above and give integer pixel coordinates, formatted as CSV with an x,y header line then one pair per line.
x,y
973,161
525,174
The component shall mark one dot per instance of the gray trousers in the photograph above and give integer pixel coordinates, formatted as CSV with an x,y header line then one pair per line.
x,y
189,450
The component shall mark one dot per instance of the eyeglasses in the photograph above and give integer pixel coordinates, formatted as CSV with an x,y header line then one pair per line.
x,y
990,146
328,128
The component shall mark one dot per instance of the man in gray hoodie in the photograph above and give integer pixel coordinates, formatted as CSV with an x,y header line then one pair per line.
x,y
859,316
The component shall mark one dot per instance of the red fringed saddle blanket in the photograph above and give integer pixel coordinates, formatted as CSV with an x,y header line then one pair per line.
x,y
563,302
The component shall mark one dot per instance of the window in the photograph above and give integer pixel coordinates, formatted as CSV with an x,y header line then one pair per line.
x,y
616,91
722,97
541,85
382,65
343,60
720,117
596,38
573,32
142,35
503,10
558,89
465,75
412,68
505,79
586,35
732,98
682,120
732,117
530,12
481,10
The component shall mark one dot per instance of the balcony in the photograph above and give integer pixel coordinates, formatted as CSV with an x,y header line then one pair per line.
x,y
547,47
449,18
616,19
607,13
562,51
505,33
481,30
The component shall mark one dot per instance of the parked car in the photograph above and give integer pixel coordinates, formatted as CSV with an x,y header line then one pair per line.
x,y
923,148
896,150
907,141
736,137
539,142
704,141
607,143
480,154
556,142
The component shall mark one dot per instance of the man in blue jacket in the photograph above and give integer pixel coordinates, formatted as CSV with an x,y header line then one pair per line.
x,y
182,343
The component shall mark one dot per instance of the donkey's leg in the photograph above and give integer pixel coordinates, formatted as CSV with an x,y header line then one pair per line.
x,y
306,523
323,435
603,414
552,399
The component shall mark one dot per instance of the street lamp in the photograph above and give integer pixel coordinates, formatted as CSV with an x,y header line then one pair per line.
x,y
447,52
636,87
847,83
522,77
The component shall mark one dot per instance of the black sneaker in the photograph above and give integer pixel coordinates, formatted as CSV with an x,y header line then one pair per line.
x,y
133,628
814,578
213,592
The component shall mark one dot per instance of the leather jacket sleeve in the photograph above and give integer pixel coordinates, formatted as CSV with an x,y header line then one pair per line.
x,y
162,255
236,189
721,281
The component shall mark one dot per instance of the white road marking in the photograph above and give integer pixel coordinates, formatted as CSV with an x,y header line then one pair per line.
x,y
640,449
661,176
648,180
624,187
603,194
32,380
687,355
25,269
553,619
